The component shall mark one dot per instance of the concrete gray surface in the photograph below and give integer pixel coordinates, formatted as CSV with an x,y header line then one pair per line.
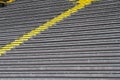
x,y
85,46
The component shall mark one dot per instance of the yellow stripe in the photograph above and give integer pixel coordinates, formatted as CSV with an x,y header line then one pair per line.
x,y
81,4
10,1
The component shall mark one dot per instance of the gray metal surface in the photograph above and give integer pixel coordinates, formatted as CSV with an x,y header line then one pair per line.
x,y
86,45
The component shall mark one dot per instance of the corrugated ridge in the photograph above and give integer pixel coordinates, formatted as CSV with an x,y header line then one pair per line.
x,y
85,45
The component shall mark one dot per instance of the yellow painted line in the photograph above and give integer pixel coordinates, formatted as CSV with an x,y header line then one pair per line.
x,y
80,4
10,1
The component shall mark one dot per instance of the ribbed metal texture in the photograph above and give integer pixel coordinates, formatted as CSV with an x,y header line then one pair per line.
x,y
86,45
